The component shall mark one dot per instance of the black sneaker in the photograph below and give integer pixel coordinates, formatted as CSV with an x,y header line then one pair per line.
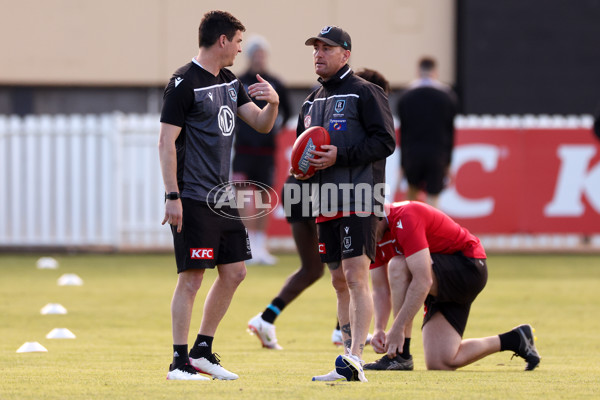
x,y
391,364
527,348
185,373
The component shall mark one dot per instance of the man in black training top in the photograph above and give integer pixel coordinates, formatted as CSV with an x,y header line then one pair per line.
x,y
201,102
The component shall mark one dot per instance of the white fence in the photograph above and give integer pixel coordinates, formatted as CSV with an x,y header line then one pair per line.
x,y
81,181
94,181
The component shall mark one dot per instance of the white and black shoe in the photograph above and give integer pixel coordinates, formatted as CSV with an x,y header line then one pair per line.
x,y
185,373
211,365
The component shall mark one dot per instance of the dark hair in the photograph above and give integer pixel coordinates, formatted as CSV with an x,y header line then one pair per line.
x,y
426,64
375,77
217,23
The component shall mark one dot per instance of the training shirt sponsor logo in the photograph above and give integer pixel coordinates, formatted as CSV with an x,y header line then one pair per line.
x,y
322,248
210,96
337,124
178,80
399,225
226,120
202,254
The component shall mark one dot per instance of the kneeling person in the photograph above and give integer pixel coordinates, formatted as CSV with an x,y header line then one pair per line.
x,y
444,266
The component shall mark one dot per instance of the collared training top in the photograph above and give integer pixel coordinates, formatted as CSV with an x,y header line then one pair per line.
x,y
417,226
205,107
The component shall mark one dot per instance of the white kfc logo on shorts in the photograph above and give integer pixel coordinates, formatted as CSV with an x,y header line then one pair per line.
x,y
202,254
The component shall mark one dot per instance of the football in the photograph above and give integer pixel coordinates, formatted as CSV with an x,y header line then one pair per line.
x,y
311,139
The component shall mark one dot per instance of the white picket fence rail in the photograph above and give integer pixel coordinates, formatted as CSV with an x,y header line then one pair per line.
x,y
81,181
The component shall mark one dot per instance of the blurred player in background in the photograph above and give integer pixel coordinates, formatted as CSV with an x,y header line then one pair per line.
x,y
304,231
254,155
196,133
426,111
438,263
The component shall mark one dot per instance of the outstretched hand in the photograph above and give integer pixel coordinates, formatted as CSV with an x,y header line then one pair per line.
x,y
262,90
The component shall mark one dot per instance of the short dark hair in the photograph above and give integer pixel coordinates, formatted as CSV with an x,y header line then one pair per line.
x,y
217,23
375,77
427,64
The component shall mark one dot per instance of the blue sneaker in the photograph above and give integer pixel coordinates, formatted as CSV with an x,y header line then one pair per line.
x,y
350,366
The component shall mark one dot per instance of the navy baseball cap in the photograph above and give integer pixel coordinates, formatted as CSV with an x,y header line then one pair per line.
x,y
333,36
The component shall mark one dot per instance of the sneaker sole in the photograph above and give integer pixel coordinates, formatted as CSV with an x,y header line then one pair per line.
x,y
215,376
253,331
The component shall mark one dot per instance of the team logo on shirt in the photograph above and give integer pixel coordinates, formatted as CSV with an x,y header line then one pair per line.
x,y
226,120
178,80
307,121
232,94
339,106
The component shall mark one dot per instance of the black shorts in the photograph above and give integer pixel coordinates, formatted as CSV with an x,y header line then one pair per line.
x,y
249,167
347,237
460,279
208,239
296,211
426,173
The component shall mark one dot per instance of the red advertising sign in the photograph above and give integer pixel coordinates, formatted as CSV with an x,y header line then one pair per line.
x,y
506,181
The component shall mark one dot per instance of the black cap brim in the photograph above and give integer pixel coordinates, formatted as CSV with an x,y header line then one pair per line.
x,y
312,40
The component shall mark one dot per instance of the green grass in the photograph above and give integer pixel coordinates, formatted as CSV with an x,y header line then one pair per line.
x,y
123,347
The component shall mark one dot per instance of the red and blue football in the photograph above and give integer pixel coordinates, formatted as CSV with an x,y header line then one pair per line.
x,y
311,139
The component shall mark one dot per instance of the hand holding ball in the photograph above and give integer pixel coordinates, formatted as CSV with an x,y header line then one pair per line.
x,y
311,139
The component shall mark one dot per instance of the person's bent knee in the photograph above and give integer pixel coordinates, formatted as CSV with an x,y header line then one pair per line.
x,y
398,269
439,365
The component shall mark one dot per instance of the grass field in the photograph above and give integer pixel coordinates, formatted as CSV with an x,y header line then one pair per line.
x,y
123,347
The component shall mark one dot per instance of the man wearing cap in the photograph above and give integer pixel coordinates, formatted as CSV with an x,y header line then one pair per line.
x,y
351,185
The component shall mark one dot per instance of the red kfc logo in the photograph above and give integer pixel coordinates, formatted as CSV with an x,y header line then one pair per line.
x,y
322,248
202,254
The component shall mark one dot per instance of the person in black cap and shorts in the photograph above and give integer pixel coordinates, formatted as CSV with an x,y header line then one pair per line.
x,y
304,231
201,102
350,182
